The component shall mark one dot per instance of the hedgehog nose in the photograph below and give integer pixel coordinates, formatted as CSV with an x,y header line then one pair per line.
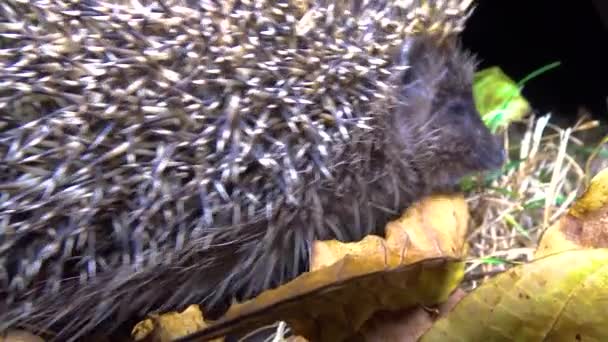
x,y
495,154
499,157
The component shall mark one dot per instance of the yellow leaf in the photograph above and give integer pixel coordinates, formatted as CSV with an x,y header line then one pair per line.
x,y
433,227
595,198
557,298
169,326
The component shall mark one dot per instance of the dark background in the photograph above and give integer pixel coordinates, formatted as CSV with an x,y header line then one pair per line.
x,y
521,36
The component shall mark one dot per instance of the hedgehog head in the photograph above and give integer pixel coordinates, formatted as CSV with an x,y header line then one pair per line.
x,y
436,119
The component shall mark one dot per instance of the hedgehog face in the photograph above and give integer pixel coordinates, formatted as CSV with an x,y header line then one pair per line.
x,y
438,118
457,142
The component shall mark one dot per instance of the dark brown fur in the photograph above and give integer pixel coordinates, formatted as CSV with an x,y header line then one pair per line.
x,y
92,234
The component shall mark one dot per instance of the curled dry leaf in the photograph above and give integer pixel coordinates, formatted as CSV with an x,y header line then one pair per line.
x,y
434,227
585,225
417,264
560,296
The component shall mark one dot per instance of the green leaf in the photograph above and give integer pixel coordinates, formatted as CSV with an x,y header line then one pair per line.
x,y
498,98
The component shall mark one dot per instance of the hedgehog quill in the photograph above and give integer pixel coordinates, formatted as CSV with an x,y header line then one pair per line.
x,y
156,154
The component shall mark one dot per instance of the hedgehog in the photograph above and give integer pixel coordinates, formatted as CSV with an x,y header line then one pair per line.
x,y
156,154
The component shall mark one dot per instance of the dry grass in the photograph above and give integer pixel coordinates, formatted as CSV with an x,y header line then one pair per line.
x,y
549,167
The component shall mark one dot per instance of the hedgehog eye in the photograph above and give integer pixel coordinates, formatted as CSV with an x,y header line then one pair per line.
x,y
407,77
457,108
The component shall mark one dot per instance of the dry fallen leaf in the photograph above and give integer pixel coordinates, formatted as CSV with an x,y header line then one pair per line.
x,y
585,225
434,227
560,296
417,264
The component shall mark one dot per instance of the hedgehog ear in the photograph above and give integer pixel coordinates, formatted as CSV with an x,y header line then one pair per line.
x,y
422,58
408,60
411,51
416,83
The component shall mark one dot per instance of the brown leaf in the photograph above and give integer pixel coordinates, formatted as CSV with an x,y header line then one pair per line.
x,y
407,325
